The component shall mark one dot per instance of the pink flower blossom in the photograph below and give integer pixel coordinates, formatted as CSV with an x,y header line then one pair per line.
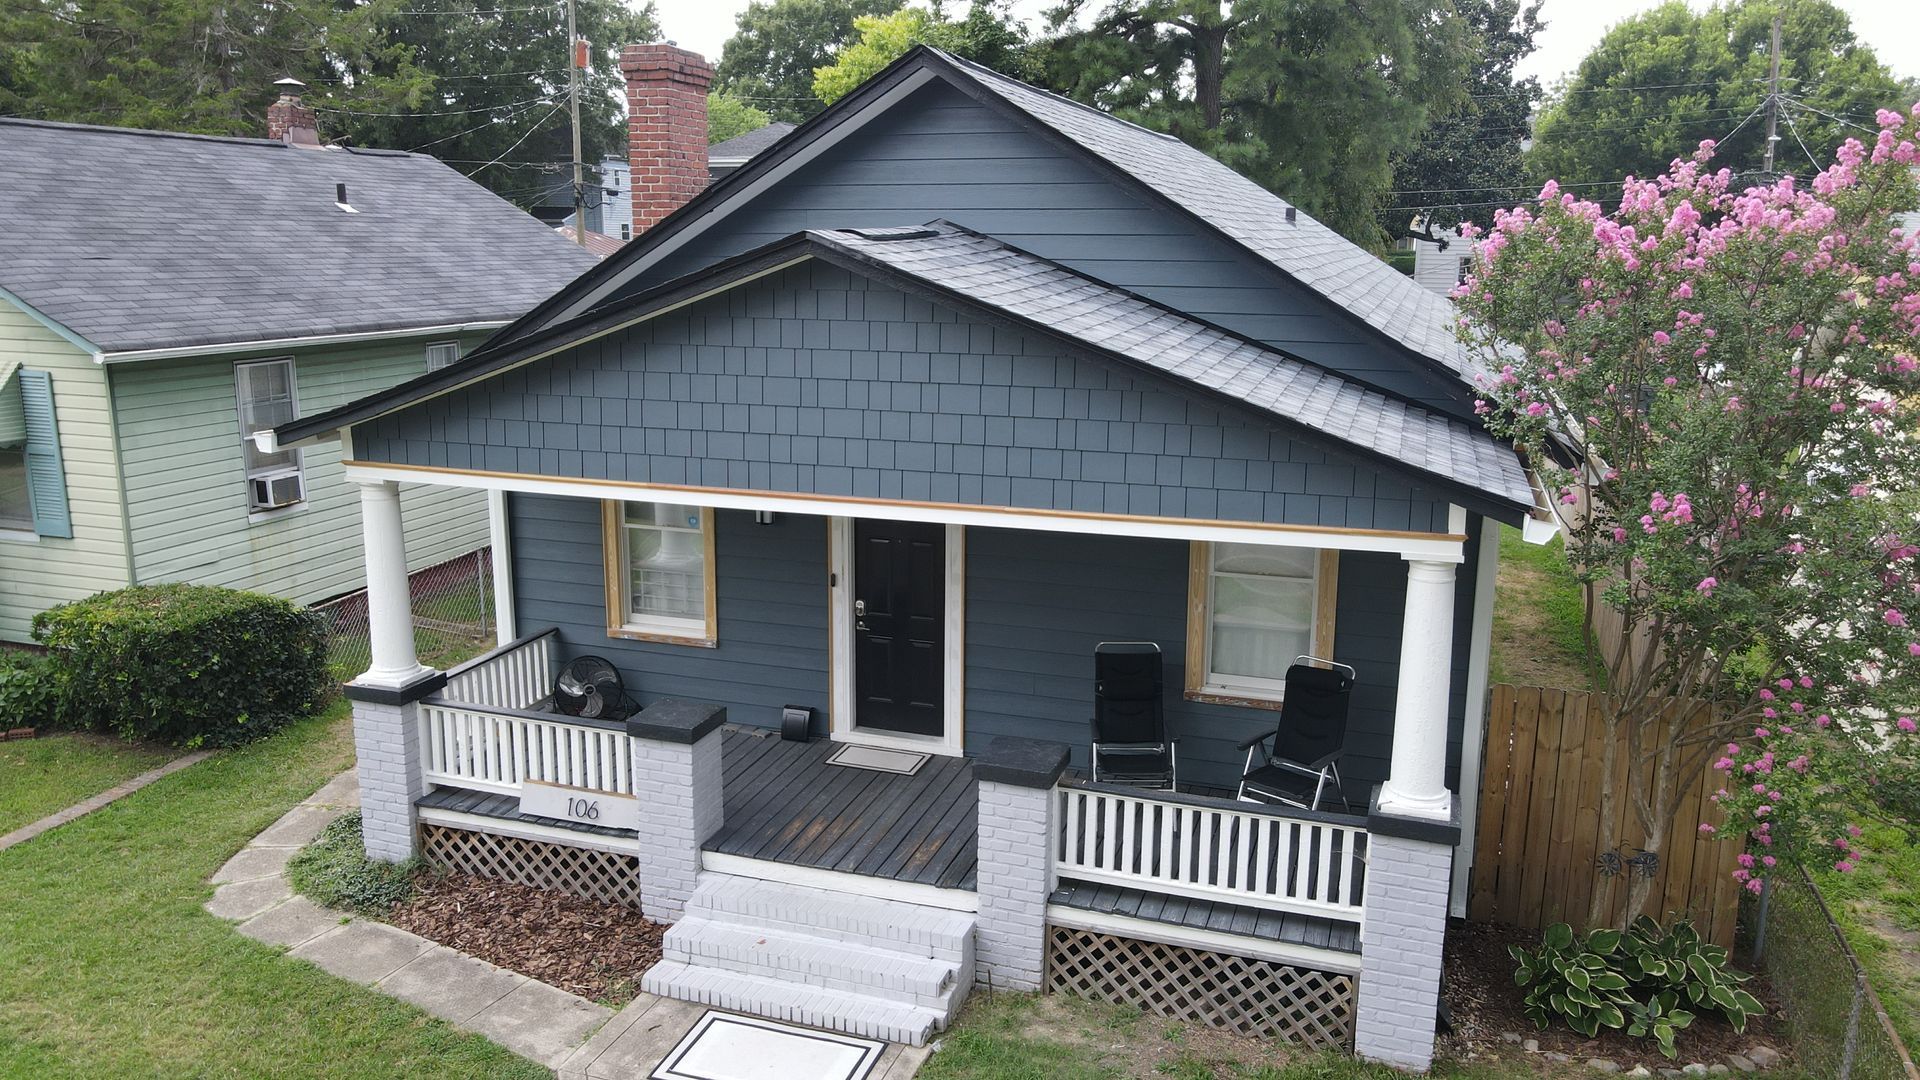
x,y
1707,585
1905,724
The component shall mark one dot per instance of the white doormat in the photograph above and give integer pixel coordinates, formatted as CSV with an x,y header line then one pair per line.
x,y
722,1046
855,756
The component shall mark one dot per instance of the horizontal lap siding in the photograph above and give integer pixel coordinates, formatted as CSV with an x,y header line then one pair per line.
x,y
817,381
1036,605
187,494
771,583
943,155
36,575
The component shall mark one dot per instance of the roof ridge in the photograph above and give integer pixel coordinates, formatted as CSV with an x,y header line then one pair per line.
x,y
1094,110
194,136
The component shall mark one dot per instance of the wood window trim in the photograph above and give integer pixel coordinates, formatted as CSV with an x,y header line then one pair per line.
x,y
1199,625
612,557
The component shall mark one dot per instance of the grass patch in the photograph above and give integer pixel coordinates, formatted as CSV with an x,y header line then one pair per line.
x,y
113,969
334,872
1878,908
46,775
1055,1037
1538,615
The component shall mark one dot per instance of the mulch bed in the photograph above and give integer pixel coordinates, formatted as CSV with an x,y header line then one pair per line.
x,y
1486,1011
587,947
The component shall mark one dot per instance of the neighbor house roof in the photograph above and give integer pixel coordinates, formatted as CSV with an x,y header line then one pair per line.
x,y
138,240
738,149
599,244
988,278
1379,297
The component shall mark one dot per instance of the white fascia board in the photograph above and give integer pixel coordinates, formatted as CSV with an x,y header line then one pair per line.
x,y
274,344
1433,547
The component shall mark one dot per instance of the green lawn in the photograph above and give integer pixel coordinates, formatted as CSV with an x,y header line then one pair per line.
x,y
1024,1037
41,776
1878,907
1538,613
111,968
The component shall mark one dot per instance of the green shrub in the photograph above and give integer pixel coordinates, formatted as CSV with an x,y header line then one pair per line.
x,y
29,689
1575,980
1676,968
1647,980
192,665
334,871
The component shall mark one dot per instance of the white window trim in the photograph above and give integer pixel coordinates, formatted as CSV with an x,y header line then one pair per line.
x,y
952,739
1202,684
299,466
24,532
704,633
426,352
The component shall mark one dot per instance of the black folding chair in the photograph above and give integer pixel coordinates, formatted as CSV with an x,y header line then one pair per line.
x,y
1130,744
1302,765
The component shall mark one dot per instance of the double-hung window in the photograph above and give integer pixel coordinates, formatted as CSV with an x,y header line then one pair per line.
x,y
267,398
660,583
1253,609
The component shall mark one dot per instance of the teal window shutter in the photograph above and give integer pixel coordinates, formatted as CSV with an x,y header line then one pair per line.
x,y
46,476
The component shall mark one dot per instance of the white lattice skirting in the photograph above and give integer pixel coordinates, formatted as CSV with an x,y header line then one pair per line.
x,y
596,875
1250,997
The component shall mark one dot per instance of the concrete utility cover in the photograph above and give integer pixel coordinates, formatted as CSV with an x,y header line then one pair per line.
x,y
726,1047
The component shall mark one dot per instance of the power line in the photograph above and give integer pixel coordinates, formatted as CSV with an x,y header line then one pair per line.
x,y
435,112
483,124
535,126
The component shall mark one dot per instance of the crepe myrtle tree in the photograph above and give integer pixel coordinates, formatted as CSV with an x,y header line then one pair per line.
x,y
1720,389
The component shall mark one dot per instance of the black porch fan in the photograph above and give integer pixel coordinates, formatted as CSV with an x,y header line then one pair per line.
x,y
591,686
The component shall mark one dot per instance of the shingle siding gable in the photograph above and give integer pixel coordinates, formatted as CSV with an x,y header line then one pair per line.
x,y
817,381
941,154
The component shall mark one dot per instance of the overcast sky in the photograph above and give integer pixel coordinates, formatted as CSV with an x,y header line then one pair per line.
x,y
1892,27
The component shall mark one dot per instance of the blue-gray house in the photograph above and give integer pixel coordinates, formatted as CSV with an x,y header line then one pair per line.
x,y
894,425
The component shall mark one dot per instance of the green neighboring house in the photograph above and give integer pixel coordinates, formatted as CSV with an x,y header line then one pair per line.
x,y
162,295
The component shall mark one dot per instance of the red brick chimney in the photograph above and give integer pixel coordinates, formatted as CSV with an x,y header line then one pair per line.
x,y
291,120
666,128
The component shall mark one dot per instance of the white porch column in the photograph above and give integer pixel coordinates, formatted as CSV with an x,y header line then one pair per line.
x,y
386,696
1015,778
1417,784
389,611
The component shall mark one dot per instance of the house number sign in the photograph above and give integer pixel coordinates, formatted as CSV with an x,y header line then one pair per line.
x,y
584,805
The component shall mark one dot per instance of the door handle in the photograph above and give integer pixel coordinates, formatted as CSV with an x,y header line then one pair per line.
x,y
859,614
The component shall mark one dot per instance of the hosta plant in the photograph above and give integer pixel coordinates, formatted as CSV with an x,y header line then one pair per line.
x,y
1575,980
1676,968
1660,1019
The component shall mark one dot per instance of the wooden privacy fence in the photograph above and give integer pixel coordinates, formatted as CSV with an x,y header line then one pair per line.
x,y
1537,859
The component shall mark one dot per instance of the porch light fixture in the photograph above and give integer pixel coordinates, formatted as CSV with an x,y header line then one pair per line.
x,y
763,517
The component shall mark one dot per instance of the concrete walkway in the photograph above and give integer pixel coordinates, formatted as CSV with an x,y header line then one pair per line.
x,y
565,1032
87,806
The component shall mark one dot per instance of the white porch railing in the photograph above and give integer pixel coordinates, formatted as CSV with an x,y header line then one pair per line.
x,y
1252,854
514,676
479,733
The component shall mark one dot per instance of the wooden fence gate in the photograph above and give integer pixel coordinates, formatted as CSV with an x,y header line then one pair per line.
x,y
1536,856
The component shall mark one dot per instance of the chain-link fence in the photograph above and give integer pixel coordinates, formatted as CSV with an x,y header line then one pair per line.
x,y
1837,1024
453,616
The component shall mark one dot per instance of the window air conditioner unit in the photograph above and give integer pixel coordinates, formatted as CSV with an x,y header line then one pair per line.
x,y
272,492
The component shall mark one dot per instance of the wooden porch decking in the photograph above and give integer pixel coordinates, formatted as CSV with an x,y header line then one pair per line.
x,y
785,803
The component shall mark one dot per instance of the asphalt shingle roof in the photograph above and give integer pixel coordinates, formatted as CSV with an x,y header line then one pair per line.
x,y
1311,253
741,147
141,239
1034,290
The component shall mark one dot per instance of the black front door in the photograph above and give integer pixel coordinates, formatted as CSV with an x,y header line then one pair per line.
x,y
899,590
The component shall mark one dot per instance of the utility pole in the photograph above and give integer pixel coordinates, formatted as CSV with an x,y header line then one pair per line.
x,y
1773,98
575,61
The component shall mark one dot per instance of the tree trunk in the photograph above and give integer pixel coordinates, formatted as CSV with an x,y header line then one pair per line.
x,y
1209,72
